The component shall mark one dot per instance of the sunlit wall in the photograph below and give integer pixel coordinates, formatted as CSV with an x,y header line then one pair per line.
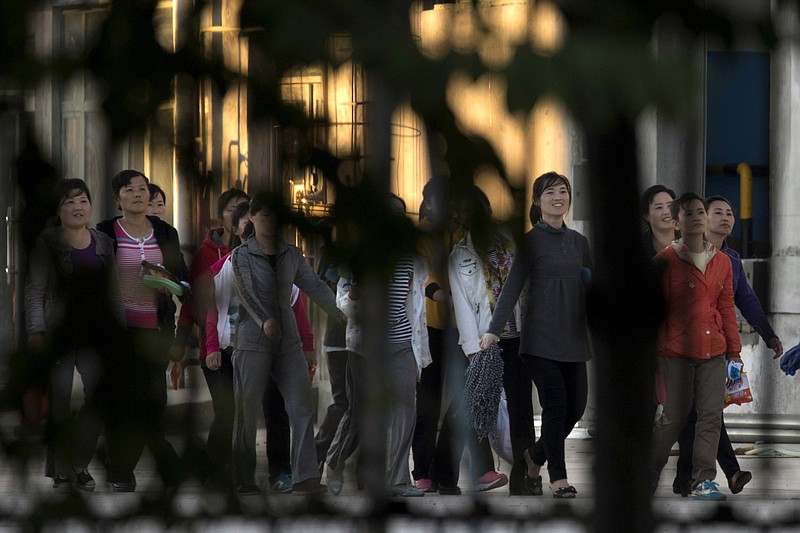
x,y
528,144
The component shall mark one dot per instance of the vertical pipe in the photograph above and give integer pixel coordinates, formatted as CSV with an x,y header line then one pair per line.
x,y
746,206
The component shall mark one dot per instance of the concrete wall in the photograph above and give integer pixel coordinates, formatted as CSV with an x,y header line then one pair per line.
x,y
784,164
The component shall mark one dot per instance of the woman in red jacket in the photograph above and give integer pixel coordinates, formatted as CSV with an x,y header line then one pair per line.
x,y
211,250
697,336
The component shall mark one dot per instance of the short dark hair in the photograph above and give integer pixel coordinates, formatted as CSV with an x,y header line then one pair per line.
x,y
65,189
123,178
272,201
155,190
681,202
718,198
650,193
396,198
240,211
546,180
227,196
434,190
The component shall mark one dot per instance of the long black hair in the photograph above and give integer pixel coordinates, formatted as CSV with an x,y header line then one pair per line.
x,y
66,189
479,219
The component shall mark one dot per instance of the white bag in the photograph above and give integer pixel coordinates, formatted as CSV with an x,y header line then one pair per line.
x,y
500,438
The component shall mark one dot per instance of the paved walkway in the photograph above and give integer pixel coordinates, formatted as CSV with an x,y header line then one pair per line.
x,y
26,498
28,501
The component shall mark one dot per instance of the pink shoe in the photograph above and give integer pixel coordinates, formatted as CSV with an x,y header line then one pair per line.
x,y
424,484
490,480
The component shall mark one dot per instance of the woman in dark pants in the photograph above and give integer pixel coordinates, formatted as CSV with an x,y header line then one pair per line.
x,y
554,345
431,447
479,266
137,383
70,266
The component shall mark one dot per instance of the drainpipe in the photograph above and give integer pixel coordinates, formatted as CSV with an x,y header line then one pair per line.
x,y
746,209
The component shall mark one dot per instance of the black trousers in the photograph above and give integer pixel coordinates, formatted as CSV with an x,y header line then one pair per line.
x,y
218,446
138,389
279,434
455,434
563,389
429,406
519,390
437,452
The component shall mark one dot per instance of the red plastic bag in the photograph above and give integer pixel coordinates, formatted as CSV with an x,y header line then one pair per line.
x,y
35,406
176,376
738,391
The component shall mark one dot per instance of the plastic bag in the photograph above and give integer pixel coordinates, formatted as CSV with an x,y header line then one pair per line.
x,y
500,438
738,391
35,406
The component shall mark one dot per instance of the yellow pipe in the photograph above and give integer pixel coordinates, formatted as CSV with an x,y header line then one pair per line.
x,y
745,191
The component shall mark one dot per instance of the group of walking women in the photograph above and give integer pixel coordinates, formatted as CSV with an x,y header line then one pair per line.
x,y
84,285
699,346
241,302
90,306
528,299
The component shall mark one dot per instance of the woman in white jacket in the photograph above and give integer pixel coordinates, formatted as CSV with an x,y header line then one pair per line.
x,y
478,267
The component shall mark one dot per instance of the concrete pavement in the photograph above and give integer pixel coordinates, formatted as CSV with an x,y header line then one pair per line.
x,y
26,498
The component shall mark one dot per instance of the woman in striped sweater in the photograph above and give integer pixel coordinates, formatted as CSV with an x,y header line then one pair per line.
x,y
138,382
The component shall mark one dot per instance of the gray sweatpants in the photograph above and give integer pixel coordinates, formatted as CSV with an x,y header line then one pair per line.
x,y
251,373
401,412
402,373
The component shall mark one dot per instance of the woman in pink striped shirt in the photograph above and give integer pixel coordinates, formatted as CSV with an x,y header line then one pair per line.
x,y
138,381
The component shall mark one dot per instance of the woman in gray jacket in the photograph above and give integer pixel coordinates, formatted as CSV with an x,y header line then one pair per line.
x,y
67,269
268,343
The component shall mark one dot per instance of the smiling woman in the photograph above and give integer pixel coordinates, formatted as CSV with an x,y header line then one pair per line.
x,y
554,346
654,210
66,257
